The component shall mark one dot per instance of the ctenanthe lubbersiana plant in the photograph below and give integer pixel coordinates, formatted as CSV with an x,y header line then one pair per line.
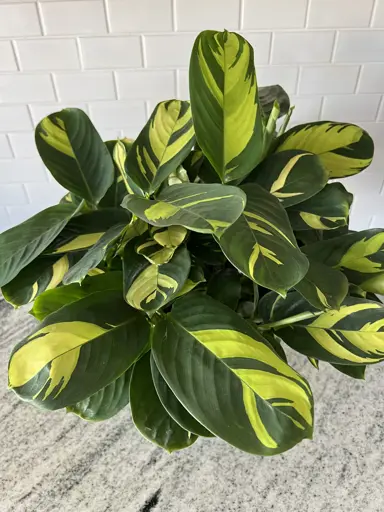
x,y
179,264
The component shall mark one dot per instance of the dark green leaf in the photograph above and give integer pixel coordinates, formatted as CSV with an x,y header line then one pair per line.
x,y
150,416
225,286
271,93
356,372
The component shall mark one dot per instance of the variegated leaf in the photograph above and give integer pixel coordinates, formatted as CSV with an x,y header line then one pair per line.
x,y
343,149
78,350
44,273
214,361
149,286
328,209
261,244
274,93
74,153
161,246
360,255
324,287
224,98
292,176
201,208
162,145
83,231
21,244
352,335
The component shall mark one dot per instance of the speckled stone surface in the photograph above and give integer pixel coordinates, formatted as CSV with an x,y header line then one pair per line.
x,y
56,462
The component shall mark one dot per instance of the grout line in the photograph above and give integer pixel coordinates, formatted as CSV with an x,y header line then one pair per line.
x,y
271,47
335,43
241,14
79,53
7,137
379,108
147,109
17,55
143,52
176,83
41,18
174,15
298,80
358,80
371,221
107,15
373,13
115,86
55,90
322,103
307,13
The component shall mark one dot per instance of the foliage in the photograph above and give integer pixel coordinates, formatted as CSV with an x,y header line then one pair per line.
x,y
146,278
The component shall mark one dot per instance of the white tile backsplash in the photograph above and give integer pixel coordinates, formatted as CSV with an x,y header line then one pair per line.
x,y
116,59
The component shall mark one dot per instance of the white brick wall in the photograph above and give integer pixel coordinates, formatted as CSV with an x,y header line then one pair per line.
x,y
117,58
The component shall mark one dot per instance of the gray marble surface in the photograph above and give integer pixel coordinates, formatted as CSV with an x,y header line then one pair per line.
x,y
56,462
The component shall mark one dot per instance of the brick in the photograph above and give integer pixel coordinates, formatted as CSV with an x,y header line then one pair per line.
x,y
26,88
286,76
145,85
19,20
87,86
274,14
301,47
111,52
360,46
169,50
14,118
22,171
340,13
307,110
378,20
5,222
7,57
12,194
146,15
48,54
261,44
116,114
328,79
45,193
372,78
23,145
5,148
200,14
352,108
74,17
18,214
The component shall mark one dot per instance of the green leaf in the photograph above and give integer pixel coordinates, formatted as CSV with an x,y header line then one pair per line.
x,y
23,243
261,245
324,287
201,208
224,98
352,335
94,255
44,273
225,286
215,361
205,249
271,93
149,287
85,230
52,300
162,145
343,149
160,247
78,350
329,209
359,255
356,372
74,153
150,416
196,277
173,407
292,176
105,403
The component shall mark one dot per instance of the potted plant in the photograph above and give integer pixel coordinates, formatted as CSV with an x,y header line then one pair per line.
x,y
179,264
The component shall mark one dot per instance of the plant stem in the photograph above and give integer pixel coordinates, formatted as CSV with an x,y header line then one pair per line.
x,y
290,320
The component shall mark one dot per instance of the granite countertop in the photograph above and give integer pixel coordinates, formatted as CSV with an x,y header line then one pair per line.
x,y
57,462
